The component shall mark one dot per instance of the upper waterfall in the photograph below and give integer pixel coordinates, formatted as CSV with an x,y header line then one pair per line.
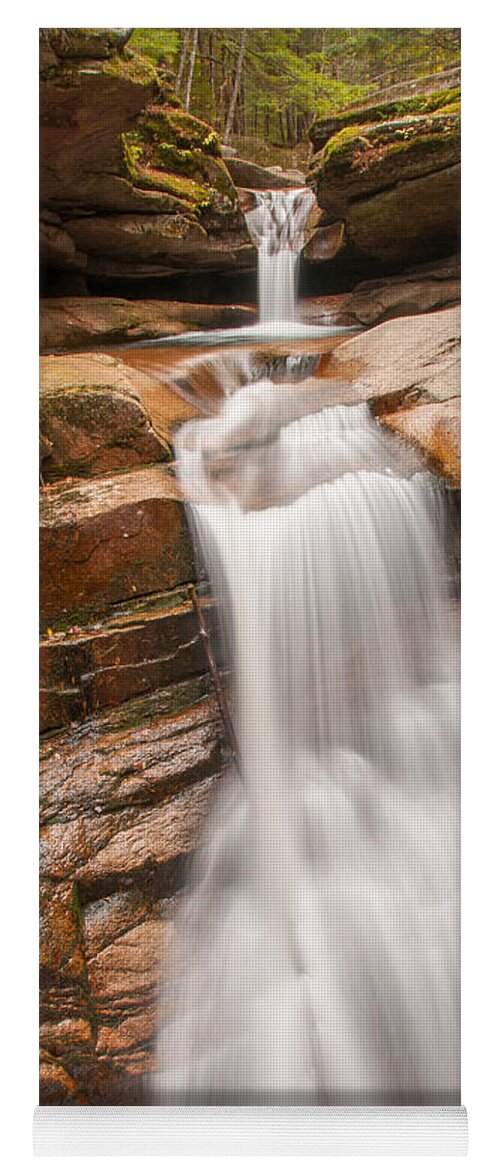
x,y
277,225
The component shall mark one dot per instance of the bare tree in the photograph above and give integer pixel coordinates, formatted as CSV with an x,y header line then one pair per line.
x,y
182,62
192,59
236,86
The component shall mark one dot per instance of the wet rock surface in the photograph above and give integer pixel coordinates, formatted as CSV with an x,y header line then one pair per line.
x,y
81,322
409,370
122,808
104,540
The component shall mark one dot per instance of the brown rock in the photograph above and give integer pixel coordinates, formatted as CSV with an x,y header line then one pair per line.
x,y
130,655
123,977
61,955
57,1087
398,367
103,541
373,302
423,289
434,429
61,1037
93,772
107,918
247,199
247,174
92,418
77,322
57,249
408,356
165,834
83,112
324,243
391,171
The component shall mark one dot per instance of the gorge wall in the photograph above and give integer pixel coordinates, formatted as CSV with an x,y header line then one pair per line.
x,y
131,185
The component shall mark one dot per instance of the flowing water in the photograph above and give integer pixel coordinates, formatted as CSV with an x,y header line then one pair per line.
x,y
277,226
318,945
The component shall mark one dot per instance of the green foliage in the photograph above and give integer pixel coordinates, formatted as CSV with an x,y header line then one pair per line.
x,y
159,44
293,77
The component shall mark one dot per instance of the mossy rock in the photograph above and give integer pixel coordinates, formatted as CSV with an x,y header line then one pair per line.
x,y
153,162
85,42
444,100
363,159
179,129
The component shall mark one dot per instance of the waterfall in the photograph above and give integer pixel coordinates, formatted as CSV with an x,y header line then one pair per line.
x,y
277,226
318,942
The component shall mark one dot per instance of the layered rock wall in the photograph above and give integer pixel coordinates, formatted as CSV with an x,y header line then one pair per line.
x,y
389,172
131,185
131,739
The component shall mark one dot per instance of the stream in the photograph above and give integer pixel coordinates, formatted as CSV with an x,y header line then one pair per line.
x,y
317,957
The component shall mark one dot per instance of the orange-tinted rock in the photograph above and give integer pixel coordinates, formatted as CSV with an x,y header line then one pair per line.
x,y
92,419
408,357
123,977
129,655
106,540
434,429
118,803
57,1087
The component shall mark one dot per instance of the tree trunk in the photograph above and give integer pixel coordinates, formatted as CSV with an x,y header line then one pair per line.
x,y
182,62
192,59
236,86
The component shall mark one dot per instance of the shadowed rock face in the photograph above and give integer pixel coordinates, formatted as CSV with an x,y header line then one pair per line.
x,y
130,185
390,171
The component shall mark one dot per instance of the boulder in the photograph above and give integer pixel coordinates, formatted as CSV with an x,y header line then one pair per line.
x,y
408,369
324,242
247,174
105,540
391,173
427,288
92,420
81,322
434,428
421,95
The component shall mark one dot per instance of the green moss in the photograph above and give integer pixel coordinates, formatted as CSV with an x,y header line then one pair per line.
x,y
180,129
439,100
131,67
391,134
183,162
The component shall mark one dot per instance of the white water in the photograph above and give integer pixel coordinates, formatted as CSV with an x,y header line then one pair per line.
x,y
277,226
318,946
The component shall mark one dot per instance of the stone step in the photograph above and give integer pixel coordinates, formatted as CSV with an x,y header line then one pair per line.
x,y
92,418
107,540
138,649
76,322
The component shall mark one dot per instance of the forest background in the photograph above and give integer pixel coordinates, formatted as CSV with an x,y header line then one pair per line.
x,y
262,88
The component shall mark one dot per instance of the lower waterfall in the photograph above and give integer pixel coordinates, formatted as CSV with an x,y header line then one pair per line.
x,y
318,945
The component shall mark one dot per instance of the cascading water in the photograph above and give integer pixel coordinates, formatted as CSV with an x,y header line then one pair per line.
x,y
318,944
277,226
